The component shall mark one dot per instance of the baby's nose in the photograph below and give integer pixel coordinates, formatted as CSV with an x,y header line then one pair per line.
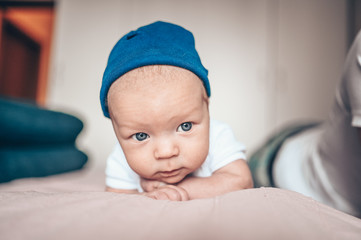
x,y
166,149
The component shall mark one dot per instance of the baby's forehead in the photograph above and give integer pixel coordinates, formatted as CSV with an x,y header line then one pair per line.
x,y
155,76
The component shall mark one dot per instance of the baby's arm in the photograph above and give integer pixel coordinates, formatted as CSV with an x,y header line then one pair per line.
x,y
160,192
234,176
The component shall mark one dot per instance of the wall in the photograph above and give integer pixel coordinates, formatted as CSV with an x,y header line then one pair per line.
x,y
270,61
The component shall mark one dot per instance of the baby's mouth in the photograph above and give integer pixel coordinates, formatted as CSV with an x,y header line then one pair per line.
x,y
172,173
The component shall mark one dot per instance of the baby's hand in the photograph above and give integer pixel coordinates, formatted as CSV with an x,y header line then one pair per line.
x,y
168,192
150,185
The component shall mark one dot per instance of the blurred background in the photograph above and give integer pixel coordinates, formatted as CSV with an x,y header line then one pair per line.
x,y
270,62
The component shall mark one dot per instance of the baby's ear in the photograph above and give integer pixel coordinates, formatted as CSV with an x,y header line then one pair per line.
x,y
110,109
206,99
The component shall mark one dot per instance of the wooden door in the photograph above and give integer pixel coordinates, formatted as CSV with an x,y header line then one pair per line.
x,y
25,41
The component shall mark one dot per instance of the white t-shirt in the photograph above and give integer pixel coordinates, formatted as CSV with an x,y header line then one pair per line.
x,y
223,149
325,162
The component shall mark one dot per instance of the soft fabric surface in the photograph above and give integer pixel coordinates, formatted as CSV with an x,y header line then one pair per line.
x,y
74,206
261,161
37,142
39,161
26,124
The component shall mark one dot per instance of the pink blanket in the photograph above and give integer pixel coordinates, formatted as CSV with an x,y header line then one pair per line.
x,y
75,206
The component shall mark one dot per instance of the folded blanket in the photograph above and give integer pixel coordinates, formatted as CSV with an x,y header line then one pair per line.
x,y
23,123
262,159
39,161
36,142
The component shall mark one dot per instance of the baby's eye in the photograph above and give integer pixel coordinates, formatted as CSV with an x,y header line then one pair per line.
x,y
185,127
140,136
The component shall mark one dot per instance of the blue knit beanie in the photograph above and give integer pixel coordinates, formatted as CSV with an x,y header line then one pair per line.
x,y
159,43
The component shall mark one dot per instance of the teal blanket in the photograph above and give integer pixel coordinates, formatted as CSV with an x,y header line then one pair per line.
x,y
37,142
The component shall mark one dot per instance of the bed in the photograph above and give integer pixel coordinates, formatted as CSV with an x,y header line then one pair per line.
x,y
75,206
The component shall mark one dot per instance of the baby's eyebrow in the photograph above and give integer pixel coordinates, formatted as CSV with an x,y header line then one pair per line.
x,y
135,127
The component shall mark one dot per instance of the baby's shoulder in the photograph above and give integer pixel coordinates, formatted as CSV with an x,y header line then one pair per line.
x,y
218,128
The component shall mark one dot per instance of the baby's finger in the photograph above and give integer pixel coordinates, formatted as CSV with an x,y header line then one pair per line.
x,y
181,191
158,195
168,192
184,194
150,185
175,193
165,193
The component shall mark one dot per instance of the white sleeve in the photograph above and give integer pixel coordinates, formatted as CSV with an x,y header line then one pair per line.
x,y
352,78
224,148
118,173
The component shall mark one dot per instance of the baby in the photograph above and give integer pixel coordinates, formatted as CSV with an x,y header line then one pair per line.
x,y
156,92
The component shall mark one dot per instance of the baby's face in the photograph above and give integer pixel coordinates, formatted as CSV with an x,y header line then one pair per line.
x,y
161,120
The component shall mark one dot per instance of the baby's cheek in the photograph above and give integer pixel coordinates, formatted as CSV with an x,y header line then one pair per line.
x,y
142,170
197,153
139,164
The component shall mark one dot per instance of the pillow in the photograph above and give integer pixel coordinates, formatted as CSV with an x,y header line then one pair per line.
x,y
23,123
